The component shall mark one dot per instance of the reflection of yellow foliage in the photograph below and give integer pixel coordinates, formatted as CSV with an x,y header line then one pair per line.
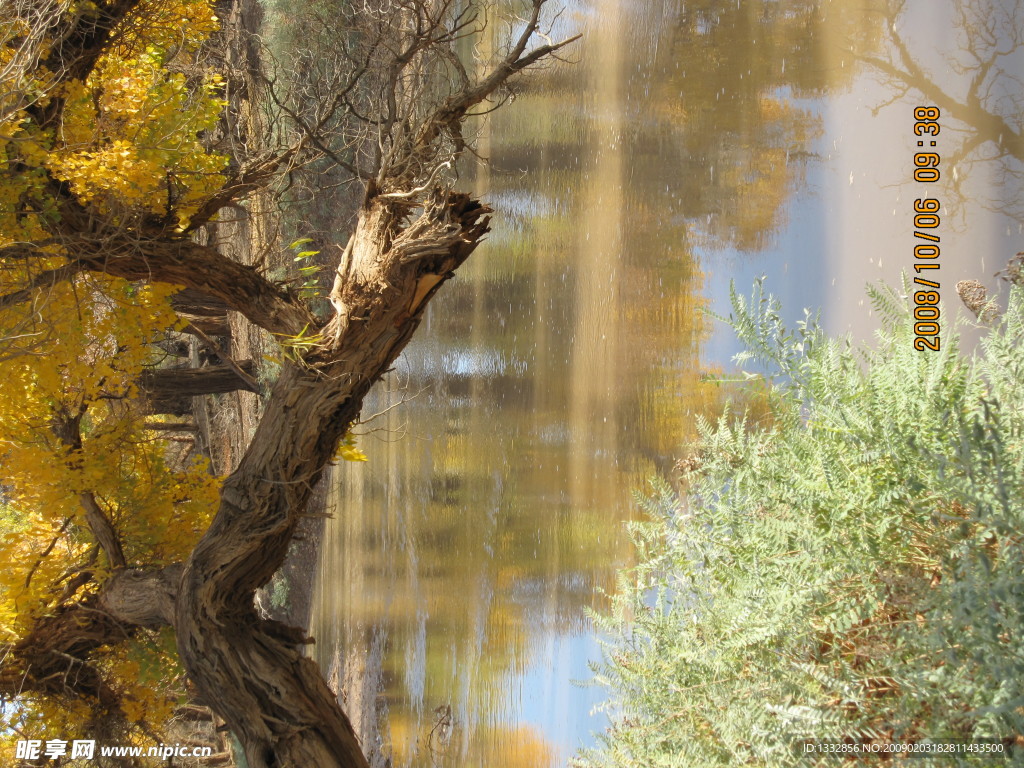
x,y
760,177
417,743
520,747
772,110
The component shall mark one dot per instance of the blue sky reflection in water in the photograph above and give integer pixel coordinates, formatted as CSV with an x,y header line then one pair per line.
x,y
690,145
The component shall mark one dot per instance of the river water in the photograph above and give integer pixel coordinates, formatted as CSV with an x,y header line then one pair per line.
x,y
685,145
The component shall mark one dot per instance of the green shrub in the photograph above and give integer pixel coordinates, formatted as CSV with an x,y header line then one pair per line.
x,y
851,571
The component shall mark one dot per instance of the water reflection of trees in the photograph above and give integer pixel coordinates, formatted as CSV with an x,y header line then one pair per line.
x,y
566,365
435,550
733,76
986,132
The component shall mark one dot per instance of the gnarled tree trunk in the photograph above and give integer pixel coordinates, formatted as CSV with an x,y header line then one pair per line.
x,y
248,669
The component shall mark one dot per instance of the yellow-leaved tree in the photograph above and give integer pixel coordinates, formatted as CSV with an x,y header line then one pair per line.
x,y
126,127
89,493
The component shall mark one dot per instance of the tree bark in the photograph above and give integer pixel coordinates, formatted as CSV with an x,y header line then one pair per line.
x,y
209,326
248,669
203,312
204,269
170,390
195,302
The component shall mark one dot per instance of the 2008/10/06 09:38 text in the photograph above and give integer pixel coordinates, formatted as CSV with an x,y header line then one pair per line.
x,y
926,222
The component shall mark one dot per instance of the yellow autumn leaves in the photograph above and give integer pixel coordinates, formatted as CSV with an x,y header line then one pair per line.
x,y
129,138
88,365
348,450
128,145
